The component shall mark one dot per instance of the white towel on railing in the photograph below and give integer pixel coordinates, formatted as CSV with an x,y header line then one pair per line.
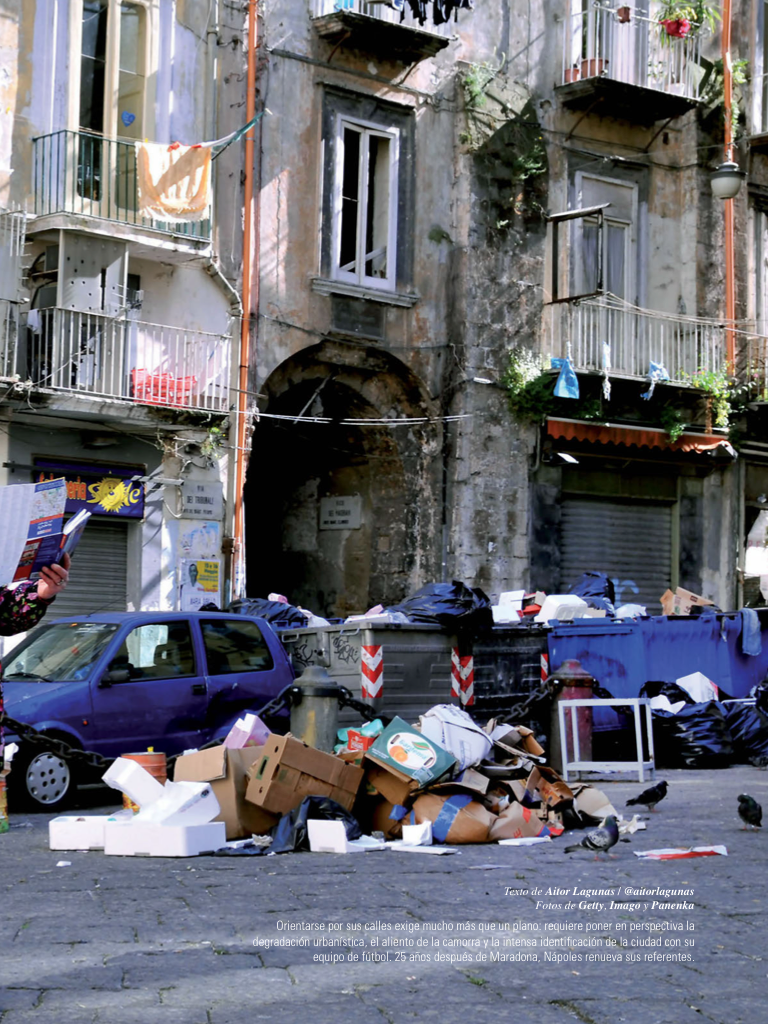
x,y
174,182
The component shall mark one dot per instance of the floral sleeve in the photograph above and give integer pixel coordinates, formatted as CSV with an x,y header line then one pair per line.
x,y
20,608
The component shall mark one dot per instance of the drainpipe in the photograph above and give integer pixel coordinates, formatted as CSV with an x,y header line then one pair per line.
x,y
250,308
730,268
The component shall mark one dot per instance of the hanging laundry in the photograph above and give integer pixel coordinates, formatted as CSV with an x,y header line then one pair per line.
x,y
567,385
656,373
174,182
606,371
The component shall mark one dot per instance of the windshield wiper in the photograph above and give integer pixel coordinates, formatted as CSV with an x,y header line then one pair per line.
x,y
27,675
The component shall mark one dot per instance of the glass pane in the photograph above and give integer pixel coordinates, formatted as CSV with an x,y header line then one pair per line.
x,y
130,87
92,65
589,258
377,211
350,200
234,645
60,653
615,259
156,651
131,39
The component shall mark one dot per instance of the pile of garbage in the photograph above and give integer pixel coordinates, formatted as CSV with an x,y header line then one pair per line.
x,y
445,780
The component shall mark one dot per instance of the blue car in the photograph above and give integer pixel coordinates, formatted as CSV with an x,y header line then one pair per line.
x,y
119,683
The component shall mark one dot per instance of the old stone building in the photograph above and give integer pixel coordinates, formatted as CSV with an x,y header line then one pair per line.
x,y
446,206
120,329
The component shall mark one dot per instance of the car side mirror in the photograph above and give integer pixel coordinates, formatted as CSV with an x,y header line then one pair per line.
x,y
117,675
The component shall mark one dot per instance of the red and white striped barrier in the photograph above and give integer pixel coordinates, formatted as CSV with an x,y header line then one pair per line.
x,y
544,667
372,671
463,677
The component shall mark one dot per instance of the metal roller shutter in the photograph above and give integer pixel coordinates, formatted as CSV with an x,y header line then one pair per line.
x,y
98,576
629,541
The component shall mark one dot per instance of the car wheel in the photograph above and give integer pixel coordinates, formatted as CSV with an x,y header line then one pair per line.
x,y
41,781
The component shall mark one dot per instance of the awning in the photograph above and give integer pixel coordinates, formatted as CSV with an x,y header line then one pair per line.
x,y
639,437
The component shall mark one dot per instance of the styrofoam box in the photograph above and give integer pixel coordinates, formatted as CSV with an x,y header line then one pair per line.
x,y
132,839
77,832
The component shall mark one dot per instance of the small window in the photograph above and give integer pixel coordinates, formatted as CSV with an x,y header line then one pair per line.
x,y
157,651
365,205
233,645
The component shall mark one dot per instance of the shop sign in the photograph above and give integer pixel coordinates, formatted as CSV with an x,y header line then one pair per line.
x,y
106,490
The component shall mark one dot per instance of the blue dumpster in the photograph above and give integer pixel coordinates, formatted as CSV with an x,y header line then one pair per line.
x,y
622,656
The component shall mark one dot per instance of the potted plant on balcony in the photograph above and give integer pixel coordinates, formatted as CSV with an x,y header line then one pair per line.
x,y
679,20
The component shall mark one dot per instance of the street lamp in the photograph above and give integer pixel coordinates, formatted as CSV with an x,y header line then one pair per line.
x,y
726,180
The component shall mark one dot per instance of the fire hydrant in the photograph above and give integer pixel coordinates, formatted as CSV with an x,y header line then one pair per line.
x,y
570,682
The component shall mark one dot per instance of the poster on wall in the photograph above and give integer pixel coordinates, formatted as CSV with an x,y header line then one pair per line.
x,y
200,583
199,540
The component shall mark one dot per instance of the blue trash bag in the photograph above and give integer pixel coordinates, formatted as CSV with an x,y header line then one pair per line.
x,y
567,385
597,590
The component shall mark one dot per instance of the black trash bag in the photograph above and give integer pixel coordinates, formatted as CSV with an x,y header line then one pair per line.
x,y
671,691
749,729
597,590
275,612
290,833
696,737
454,606
760,693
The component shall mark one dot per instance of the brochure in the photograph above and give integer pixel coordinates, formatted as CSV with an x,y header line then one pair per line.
x,y
35,534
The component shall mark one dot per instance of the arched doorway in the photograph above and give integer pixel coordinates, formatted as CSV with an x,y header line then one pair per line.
x,y
338,557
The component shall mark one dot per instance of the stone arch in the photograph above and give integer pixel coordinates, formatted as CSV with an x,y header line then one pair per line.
x,y
392,473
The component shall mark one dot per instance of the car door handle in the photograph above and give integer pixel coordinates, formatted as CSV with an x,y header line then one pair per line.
x,y
199,688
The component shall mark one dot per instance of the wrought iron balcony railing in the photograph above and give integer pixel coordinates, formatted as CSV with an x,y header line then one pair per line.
x,y
80,173
380,10
118,358
635,338
603,40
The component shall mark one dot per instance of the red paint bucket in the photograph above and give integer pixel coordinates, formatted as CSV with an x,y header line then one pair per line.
x,y
152,762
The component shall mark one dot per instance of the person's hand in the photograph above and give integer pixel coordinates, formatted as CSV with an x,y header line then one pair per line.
x,y
53,579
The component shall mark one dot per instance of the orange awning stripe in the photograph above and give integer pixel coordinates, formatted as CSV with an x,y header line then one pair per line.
x,y
641,437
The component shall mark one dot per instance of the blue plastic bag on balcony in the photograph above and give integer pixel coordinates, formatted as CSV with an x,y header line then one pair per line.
x,y
567,385
656,373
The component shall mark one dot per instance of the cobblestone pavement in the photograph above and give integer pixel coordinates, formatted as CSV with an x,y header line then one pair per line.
x,y
124,940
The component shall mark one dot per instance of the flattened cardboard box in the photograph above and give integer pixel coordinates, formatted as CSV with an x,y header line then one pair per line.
x,y
227,772
288,770
681,602
517,821
455,819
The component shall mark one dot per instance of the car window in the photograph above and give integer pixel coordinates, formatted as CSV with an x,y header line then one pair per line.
x,y
157,650
234,645
60,653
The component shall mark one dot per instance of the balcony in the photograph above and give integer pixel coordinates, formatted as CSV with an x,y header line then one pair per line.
x,y
637,337
86,354
377,28
628,69
89,176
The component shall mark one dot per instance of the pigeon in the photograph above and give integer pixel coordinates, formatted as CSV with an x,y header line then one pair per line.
x,y
599,839
750,812
650,797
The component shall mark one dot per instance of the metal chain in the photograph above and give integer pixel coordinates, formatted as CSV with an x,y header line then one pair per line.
x,y
91,759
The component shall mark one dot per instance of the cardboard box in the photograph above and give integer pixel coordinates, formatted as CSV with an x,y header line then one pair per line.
x,y
288,770
681,602
227,772
551,788
404,750
393,785
469,779
387,817
132,839
455,819
592,803
517,821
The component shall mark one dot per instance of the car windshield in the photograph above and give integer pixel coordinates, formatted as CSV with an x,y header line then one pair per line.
x,y
64,652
